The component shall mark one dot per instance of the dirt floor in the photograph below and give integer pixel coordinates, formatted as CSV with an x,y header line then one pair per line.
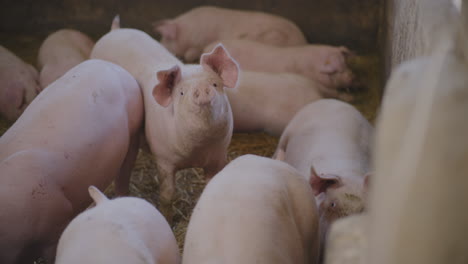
x,y
190,182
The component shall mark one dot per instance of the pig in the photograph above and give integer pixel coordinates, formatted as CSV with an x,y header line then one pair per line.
x,y
188,119
329,142
268,101
323,63
187,35
122,230
82,130
61,51
19,85
418,211
256,210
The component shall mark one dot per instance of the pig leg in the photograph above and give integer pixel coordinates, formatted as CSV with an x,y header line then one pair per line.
x,y
166,178
122,181
59,216
212,169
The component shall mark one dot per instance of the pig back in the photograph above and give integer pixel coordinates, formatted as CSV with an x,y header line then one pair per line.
x,y
330,135
84,117
138,53
255,208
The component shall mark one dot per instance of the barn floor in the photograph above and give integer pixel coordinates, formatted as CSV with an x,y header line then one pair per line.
x,y
190,182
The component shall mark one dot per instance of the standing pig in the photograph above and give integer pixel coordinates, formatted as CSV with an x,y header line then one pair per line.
x,y
123,230
188,119
61,51
256,210
268,101
80,131
187,35
18,84
328,141
322,63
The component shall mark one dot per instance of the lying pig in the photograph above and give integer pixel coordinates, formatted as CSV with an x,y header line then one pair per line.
x,y
328,141
256,210
80,131
188,119
18,84
187,35
123,230
61,51
322,63
268,101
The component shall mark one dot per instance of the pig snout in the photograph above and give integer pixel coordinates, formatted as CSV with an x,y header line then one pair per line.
x,y
203,95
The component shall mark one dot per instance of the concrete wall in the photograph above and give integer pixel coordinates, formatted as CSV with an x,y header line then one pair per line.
x,y
353,23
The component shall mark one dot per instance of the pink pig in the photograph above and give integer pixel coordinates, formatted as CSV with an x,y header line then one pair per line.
x,y
328,141
256,210
188,119
268,101
123,230
82,130
322,63
187,35
61,51
18,84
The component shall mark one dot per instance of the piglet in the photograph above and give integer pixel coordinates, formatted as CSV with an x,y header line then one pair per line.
x,y
188,119
61,51
268,101
18,84
81,131
328,141
256,210
187,35
122,230
322,63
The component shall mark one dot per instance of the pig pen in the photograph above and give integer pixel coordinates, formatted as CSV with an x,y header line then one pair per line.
x,y
359,24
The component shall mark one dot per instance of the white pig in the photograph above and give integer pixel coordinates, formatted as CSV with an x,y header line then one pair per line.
x,y
61,51
323,63
256,210
122,230
268,101
19,84
328,141
188,119
82,130
187,35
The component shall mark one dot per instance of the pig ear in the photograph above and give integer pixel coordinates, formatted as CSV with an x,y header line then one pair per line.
x,y
167,28
223,64
168,79
321,183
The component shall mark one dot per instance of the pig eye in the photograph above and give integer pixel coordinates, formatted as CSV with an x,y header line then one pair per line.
x,y
181,93
215,85
333,204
